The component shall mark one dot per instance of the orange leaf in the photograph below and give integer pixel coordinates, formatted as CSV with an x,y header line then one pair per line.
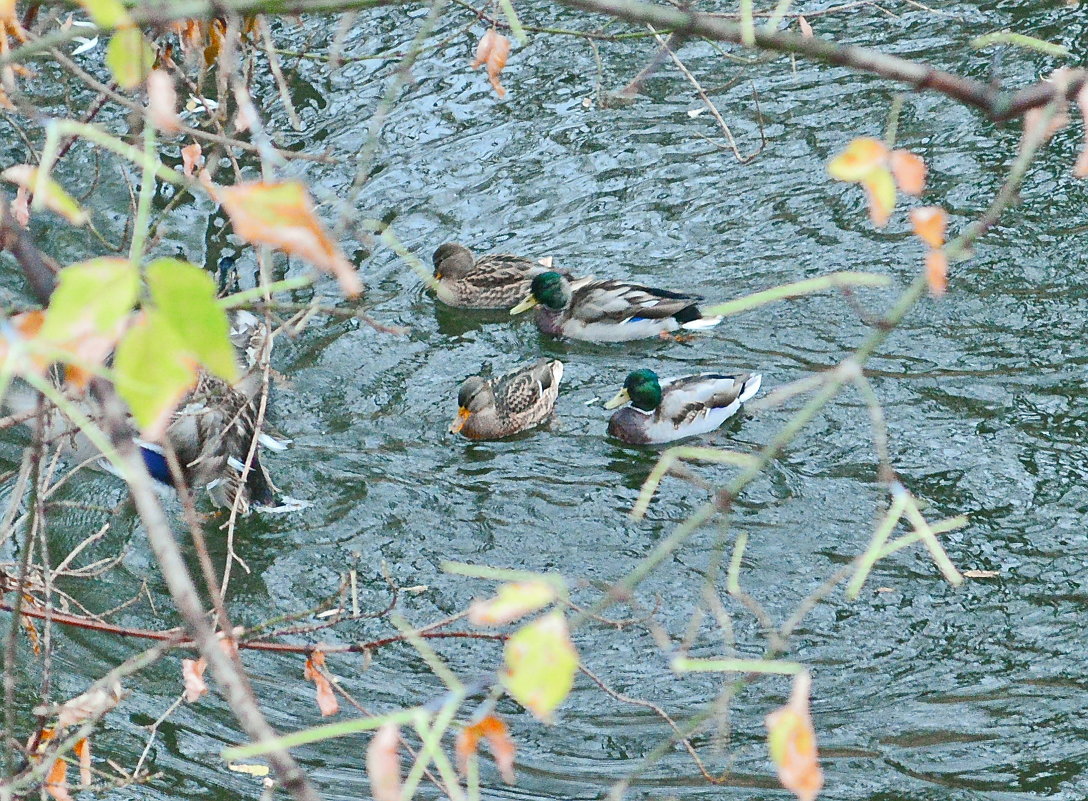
x,y
281,215
83,751
498,739
930,223
32,635
937,272
880,188
326,698
192,673
792,742
191,159
909,171
806,29
383,763
493,50
56,783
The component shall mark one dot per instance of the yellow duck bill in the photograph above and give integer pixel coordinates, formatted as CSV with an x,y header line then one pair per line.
x,y
524,306
459,421
620,398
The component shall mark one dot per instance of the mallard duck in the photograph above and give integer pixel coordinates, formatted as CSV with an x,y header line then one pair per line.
x,y
499,407
494,281
211,432
662,411
608,311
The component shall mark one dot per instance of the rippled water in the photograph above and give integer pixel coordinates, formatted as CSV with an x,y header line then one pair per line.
x,y
921,691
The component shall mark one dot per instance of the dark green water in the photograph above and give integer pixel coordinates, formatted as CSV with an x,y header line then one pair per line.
x,y
921,691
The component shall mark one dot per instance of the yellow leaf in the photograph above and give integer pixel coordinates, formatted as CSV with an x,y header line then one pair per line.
x,y
880,188
383,763
129,57
53,196
512,601
107,13
861,157
792,742
282,216
249,770
540,665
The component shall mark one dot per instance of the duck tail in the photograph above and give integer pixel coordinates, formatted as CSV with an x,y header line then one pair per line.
x,y
749,386
698,322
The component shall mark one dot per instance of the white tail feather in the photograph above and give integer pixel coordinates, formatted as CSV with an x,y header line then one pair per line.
x,y
702,322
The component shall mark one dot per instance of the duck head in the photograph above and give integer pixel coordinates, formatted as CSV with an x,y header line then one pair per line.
x,y
472,396
452,260
548,289
641,389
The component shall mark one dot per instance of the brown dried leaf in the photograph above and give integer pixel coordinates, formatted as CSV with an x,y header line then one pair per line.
x,y
191,159
93,703
282,216
326,698
806,29
192,673
162,101
981,574
383,763
20,207
83,751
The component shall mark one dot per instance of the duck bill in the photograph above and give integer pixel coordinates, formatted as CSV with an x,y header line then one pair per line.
x,y
524,306
459,421
621,397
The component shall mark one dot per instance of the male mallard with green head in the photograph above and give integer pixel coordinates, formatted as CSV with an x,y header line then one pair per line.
x,y
509,404
663,411
609,311
494,281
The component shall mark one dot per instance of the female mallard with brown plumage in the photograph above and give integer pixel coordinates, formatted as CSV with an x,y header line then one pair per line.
x,y
663,411
493,281
609,311
509,404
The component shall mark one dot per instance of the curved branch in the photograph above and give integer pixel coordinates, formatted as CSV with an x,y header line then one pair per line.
x,y
994,103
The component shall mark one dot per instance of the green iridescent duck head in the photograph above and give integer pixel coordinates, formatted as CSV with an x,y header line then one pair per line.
x,y
641,389
548,289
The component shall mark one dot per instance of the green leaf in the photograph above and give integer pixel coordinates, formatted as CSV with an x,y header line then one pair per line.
x,y
540,665
92,298
107,13
51,194
184,295
153,371
515,23
129,57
